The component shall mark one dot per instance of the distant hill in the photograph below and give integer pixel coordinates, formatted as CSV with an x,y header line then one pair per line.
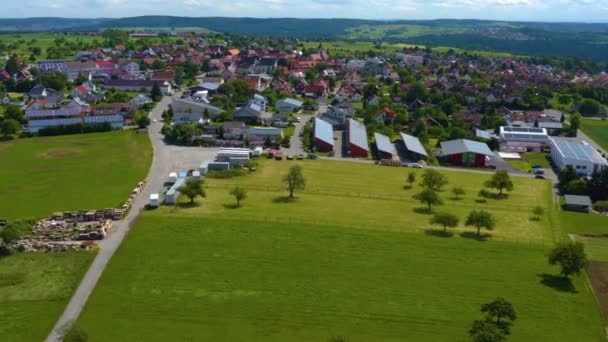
x,y
581,40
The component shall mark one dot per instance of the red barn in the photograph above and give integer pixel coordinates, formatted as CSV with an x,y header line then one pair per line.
x,y
465,152
324,136
357,140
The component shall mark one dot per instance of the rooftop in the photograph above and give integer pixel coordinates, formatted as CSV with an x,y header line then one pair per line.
x,y
324,131
465,146
578,150
577,200
413,144
357,134
384,144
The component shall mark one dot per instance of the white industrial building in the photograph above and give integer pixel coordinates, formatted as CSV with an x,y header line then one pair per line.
x,y
524,134
288,105
580,155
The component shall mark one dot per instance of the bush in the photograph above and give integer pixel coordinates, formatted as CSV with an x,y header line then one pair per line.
x,y
16,230
225,174
601,206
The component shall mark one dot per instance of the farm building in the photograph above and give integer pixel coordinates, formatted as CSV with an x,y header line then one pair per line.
x,y
524,134
414,151
466,152
577,203
288,105
189,111
580,155
324,136
259,134
386,149
357,139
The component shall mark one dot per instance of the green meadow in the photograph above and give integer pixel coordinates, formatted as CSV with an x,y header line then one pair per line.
x,y
91,171
352,256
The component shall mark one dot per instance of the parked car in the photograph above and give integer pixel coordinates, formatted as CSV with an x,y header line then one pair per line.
x,y
538,171
415,165
313,156
289,156
298,119
539,176
278,155
301,156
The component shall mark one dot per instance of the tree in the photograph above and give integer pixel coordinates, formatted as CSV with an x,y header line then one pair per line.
x,y
446,220
484,331
458,192
12,111
192,189
429,197
538,211
575,123
433,180
9,127
294,180
481,219
499,309
590,107
501,181
577,187
566,175
598,185
156,93
411,178
12,65
239,195
142,119
570,256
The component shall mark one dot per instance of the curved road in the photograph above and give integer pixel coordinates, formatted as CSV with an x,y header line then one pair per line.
x,y
161,166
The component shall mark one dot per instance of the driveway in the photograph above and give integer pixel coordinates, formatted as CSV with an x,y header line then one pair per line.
x,y
166,159
296,144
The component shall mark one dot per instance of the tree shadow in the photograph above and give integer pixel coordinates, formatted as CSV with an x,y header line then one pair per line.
x,y
438,233
407,187
283,199
187,205
230,206
481,200
492,195
557,282
534,218
453,198
423,211
473,236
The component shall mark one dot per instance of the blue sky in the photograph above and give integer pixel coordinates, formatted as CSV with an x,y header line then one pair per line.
x,y
527,10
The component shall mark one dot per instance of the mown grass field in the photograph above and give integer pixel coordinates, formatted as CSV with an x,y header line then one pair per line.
x,y
350,257
362,46
596,130
531,159
92,171
34,290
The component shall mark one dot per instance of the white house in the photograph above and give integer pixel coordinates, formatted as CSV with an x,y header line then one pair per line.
x,y
189,111
288,105
583,158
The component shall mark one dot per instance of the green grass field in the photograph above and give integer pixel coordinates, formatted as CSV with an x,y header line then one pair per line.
x,y
34,290
350,257
26,41
92,171
530,159
358,46
596,130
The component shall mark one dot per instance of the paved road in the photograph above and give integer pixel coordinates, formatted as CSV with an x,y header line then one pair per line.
x,y
295,144
161,165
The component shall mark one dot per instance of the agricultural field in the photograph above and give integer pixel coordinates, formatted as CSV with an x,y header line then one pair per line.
x,y
596,130
352,256
375,32
91,171
34,290
363,46
22,44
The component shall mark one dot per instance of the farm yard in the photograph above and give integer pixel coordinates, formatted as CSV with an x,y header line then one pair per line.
x,y
34,289
92,171
352,256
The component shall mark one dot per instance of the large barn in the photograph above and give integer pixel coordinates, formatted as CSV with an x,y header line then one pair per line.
x,y
466,152
414,151
386,149
323,136
357,139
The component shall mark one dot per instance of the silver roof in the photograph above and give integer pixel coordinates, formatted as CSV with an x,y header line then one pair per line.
x,y
578,151
482,134
324,131
384,144
577,200
413,144
465,146
357,134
